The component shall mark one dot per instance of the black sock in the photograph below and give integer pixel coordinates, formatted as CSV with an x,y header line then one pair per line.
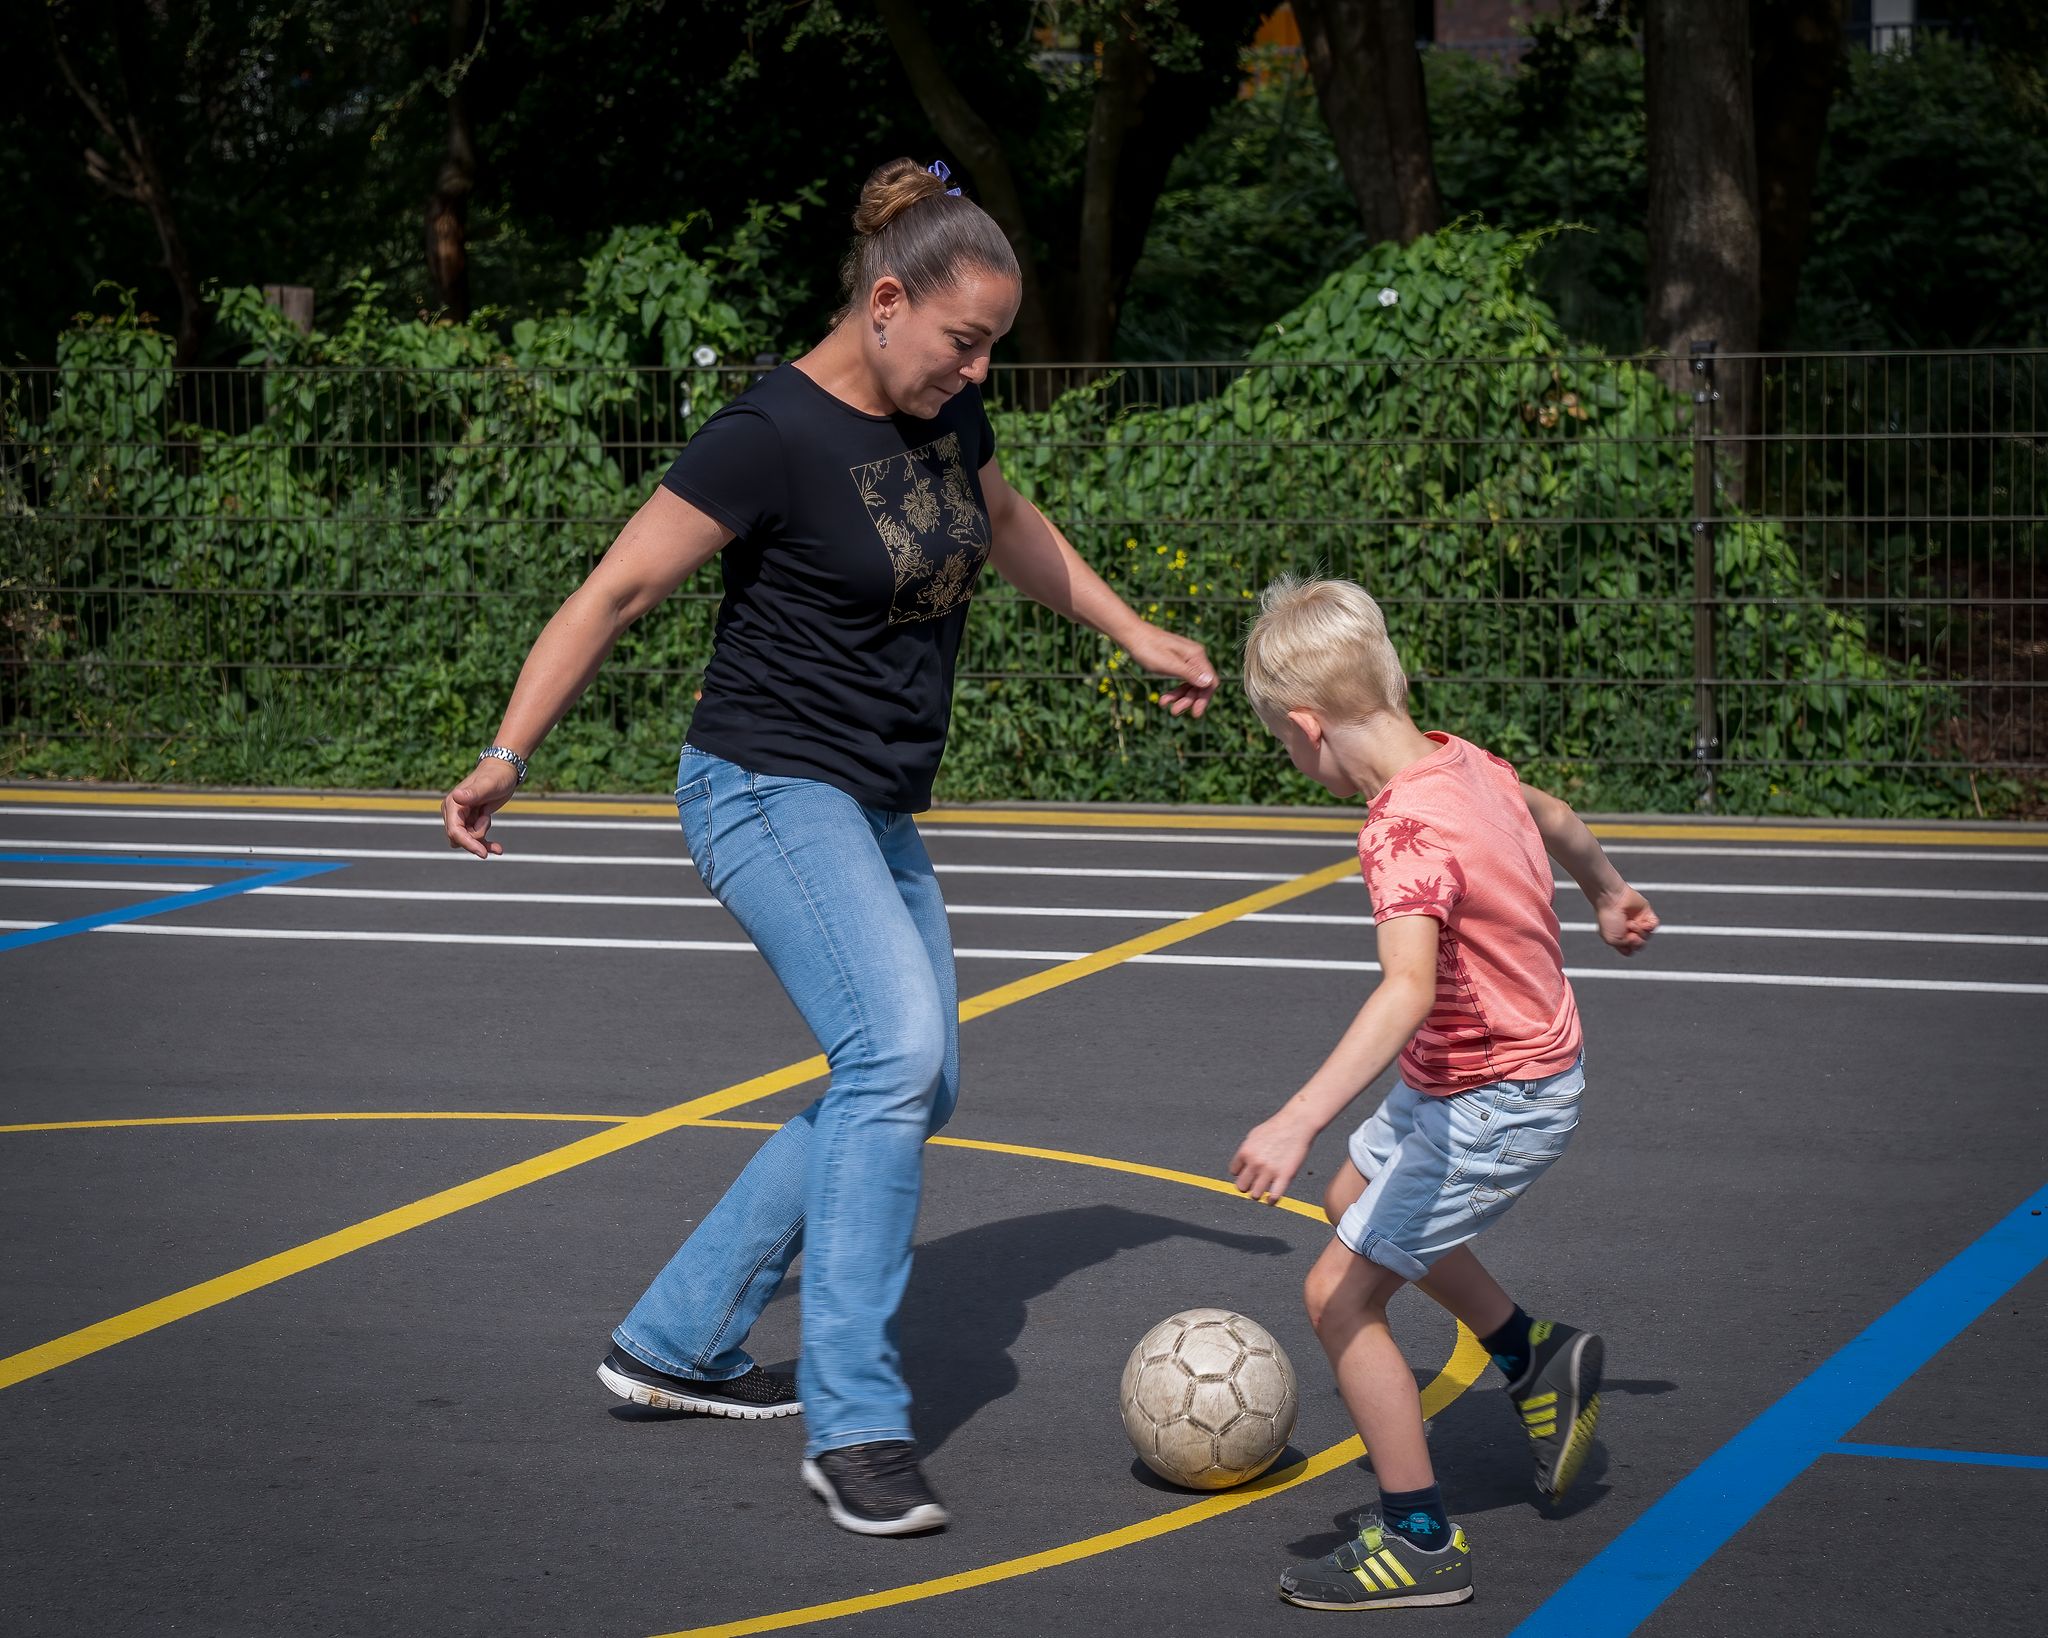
x,y
1510,1345
1417,1516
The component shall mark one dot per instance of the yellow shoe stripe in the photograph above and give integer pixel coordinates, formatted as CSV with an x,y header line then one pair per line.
x,y
1366,1579
1542,1430
1388,1564
1538,1401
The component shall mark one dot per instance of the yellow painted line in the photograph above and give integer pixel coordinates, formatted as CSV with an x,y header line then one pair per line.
x,y
1071,1157
1069,818
135,1322
72,795
263,1120
1463,1368
1468,1360
1158,938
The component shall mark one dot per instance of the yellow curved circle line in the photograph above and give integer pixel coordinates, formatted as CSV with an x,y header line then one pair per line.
x,y
1468,1360
1460,1371
1072,1157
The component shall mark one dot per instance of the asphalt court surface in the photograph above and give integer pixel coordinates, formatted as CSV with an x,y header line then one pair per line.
x,y
1800,1208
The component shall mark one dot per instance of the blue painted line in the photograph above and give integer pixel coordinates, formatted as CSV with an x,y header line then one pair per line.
x,y
1651,1559
1917,1453
274,877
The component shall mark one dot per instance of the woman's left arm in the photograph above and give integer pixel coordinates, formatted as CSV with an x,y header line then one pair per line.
x,y
1039,561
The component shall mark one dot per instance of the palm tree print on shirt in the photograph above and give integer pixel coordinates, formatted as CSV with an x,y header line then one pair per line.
x,y
924,509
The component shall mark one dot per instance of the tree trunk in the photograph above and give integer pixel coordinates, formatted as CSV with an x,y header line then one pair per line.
x,y
1368,78
1126,75
1797,53
978,150
1143,116
1704,245
447,217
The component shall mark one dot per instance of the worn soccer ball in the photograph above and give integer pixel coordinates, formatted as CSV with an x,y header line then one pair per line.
x,y
1209,1399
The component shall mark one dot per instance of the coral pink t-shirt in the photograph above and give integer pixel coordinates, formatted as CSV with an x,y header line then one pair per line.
x,y
1451,838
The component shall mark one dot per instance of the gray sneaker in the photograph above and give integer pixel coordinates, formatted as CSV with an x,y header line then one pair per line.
x,y
1559,1398
875,1489
1381,1569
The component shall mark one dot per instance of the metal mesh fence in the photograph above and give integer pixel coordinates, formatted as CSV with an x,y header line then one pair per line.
x,y
1803,583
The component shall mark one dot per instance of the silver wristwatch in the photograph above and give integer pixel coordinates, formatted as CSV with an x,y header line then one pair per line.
x,y
500,754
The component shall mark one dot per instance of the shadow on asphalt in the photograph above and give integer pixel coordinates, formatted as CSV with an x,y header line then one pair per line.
x,y
969,1294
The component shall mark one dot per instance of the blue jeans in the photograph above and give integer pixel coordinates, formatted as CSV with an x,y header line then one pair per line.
x,y
841,900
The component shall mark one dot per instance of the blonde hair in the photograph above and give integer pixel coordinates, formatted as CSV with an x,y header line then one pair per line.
x,y
1322,646
909,226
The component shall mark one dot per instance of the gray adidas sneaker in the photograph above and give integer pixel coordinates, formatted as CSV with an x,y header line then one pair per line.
x,y
1559,1398
1381,1569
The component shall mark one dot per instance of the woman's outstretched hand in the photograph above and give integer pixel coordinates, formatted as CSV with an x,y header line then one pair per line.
x,y
1164,653
466,810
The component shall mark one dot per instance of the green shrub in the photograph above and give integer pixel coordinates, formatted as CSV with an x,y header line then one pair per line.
x,y
337,583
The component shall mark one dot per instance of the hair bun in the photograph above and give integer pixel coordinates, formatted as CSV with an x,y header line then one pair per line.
x,y
890,190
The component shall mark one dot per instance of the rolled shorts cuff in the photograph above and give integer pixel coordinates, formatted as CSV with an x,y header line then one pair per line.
x,y
1379,1249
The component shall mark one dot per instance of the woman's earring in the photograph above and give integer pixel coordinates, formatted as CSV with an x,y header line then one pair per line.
x,y
881,335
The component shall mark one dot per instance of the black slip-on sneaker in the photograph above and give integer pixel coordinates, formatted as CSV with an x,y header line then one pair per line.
x,y
753,1396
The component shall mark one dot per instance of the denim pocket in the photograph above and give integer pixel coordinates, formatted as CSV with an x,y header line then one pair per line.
x,y
1526,1153
693,814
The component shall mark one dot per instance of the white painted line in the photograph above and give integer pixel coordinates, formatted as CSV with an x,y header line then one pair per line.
x,y
641,901
1116,875
511,824
345,936
637,901
261,816
1284,963
125,885
2011,855
521,940
1658,975
1825,935
1806,891
444,853
450,856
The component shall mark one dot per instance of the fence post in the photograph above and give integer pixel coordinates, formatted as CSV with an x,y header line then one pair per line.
x,y
1706,740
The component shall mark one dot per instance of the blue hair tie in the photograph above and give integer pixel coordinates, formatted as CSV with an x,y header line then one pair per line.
x,y
938,168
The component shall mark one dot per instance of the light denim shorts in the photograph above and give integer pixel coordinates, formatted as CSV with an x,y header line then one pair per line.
x,y
1439,1169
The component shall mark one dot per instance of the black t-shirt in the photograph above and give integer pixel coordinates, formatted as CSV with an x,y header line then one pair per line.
x,y
858,542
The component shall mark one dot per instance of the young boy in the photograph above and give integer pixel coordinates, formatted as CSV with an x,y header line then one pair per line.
x,y
1473,999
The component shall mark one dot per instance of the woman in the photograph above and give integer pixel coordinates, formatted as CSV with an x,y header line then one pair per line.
x,y
855,496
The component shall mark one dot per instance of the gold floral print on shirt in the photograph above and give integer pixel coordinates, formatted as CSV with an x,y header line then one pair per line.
x,y
931,525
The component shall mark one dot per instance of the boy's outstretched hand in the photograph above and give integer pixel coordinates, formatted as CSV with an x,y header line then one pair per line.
x,y
1265,1163
1626,920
